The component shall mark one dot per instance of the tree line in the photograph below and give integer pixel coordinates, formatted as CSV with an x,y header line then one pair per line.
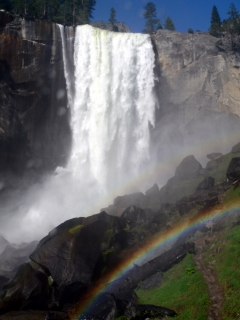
x,y
152,23
230,25
66,12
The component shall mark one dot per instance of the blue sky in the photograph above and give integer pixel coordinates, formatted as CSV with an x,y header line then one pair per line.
x,y
195,14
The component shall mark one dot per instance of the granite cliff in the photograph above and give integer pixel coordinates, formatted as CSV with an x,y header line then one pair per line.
x,y
33,95
197,84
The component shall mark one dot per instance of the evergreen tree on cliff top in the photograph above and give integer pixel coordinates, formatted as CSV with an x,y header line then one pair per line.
x,y
234,18
215,26
113,20
67,12
169,25
152,23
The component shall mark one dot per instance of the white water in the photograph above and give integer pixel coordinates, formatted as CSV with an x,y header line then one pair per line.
x,y
110,93
112,107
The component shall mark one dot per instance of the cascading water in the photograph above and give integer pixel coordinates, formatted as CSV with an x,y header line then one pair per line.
x,y
112,107
110,93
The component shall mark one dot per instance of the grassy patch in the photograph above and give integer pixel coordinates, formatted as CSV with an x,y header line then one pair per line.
x,y
227,265
106,253
183,290
75,229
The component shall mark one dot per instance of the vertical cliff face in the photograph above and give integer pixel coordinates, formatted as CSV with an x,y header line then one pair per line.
x,y
34,130
198,91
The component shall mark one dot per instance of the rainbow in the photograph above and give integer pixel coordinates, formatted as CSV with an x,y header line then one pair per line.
x,y
183,228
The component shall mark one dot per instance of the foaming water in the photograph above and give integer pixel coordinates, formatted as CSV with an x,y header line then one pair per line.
x,y
110,81
113,105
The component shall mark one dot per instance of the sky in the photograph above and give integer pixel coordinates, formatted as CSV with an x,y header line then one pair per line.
x,y
195,14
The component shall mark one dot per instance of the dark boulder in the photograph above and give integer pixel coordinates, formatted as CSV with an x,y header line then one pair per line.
x,y
104,307
236,148
206,184
13,256
214,155
151,282
151,311
29,289
153,191
71,252
134,215
137,199
159,219
160,264
233,171
188,167
3,280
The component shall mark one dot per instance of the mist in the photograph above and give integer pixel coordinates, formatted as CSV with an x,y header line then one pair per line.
x,y
119,145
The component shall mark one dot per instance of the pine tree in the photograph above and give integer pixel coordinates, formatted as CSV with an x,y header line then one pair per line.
x,y
234,19
152,23
169,25
215,26
112,18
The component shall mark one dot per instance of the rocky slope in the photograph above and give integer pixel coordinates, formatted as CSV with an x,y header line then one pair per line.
x,y
81,252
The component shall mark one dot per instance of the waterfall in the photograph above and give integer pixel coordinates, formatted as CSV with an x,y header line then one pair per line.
x,y
109,80
112,106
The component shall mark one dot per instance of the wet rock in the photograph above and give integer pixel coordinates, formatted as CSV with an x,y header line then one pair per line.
x,y
104,307
151,311
211,165
188,167
206,184
151,282
33,136
29,289
233,171
214,155
13,256
3,280
160,219
117,27
153,191
71,251
134,215
137,199
236,148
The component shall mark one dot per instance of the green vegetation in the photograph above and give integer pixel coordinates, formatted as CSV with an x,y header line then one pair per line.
x,y
75,229
215,26
230,25
183,290
169,25
106,253
67,12
112,18
152,23
225,251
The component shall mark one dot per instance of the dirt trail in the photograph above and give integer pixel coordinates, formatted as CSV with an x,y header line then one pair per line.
x,y
215,291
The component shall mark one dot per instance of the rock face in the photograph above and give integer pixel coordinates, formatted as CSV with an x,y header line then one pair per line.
x,y
117,27
198,92
34,129
233,171
185,181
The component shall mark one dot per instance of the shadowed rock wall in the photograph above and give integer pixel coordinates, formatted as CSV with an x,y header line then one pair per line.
x,y
34,126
